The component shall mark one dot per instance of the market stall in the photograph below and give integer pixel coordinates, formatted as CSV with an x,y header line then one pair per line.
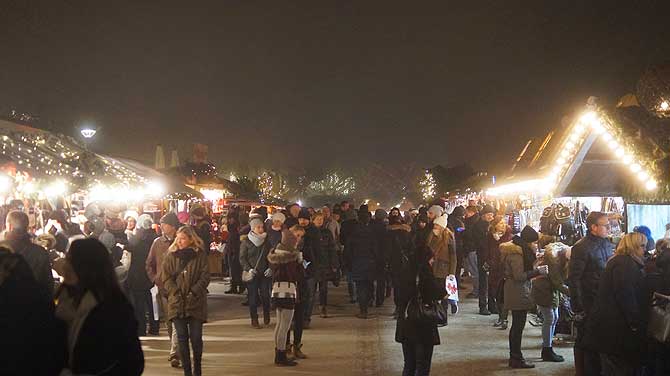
x,y
611,160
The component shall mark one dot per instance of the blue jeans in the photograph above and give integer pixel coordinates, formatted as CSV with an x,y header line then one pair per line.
x,y
190,329
259,287
310,293
473,269
550,316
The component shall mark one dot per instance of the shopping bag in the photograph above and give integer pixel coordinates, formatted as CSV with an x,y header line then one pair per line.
x,y
452,288
154,301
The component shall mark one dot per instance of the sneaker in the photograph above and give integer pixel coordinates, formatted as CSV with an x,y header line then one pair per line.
x,y
535,320
504,325
175,363
484,312
454,308
498,324
520,364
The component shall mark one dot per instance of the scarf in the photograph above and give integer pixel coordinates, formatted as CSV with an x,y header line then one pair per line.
x,y
528,254
257,239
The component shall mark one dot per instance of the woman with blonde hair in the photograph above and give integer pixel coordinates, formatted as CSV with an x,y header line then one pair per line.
x,y
617,331
186,277
442,243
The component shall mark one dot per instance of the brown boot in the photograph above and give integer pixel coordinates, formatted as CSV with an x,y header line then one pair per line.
x,y
297,352
324,312
282,361
255,324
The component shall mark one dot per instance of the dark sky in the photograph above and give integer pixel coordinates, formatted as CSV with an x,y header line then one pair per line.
x,y
295,83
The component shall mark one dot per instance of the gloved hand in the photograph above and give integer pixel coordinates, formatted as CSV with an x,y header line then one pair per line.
x,y
268,273
252,272
543,269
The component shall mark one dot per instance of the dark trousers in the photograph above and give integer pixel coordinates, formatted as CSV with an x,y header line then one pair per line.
x,y
380,291
587,362
143,306
516,333
323,293
364,291
190,329
259,289
418,358
485,301
235,269
298,316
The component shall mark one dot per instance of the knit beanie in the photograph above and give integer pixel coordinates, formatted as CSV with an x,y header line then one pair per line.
x,y
436,210
278,216
304,213
529,235
255,222
441,221
145,222
171,219
487,209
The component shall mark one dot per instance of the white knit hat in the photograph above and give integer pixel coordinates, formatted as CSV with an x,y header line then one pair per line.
x,y
437,210
278,216
441,221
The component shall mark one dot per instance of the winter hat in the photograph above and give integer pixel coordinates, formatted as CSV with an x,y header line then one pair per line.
x,y
436,210
183,217
171,219
380,214
145,222
441,221
304,213
423,217
263,211
290,222
459,211
529,235
487,209
278,216
255,222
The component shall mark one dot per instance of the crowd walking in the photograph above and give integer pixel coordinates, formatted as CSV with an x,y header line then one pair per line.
x,y
287,261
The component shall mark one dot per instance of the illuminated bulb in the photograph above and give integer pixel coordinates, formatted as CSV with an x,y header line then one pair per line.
x,y
560,161
574,137
620,152
569,145
606,136
635,167
565,153
579,128
613,145
651,185
627,159
665,106
589,117
598,128
643,175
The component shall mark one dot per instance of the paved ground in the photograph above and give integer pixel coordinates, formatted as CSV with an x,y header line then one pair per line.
x,y
344,345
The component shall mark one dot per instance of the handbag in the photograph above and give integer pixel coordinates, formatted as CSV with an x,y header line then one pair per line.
x,y
659,321
248,276
283,290
429,313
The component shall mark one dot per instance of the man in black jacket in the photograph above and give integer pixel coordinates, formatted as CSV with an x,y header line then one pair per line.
x,y
480,237
587,264
36,256
470,248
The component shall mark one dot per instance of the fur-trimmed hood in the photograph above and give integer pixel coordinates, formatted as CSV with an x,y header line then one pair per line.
x,y
509,248
400,226
283,255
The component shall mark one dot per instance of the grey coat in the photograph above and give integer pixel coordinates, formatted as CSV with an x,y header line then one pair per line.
x,y
249,255
517,282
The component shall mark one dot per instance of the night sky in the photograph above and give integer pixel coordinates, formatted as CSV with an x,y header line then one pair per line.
x,y
320,83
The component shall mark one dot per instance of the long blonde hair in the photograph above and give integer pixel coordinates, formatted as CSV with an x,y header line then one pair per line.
x,y
198,244
630,243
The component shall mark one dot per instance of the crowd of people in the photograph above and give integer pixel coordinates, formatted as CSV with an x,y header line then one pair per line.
x,y
122,278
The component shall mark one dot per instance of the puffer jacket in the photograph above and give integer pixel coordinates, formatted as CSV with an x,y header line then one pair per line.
x,y
443,248
186,277
250,254
517,280
469,237
587,263
360,253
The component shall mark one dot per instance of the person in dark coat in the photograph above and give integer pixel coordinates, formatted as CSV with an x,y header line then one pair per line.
x,y
399,246
21,242
617,327
275,228
360,255
587,263
347,228
139,283
378,225
456,225
33,340
325,259
660,283
470,248
480,234
418,338
253,257
233,253
102,331
203,226
499,233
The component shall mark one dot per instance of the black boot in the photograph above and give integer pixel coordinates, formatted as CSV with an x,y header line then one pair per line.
x,y
520,363
241,290
548,355
282,361
233,290
266,318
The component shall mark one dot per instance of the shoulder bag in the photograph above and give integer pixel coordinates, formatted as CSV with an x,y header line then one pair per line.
x,y
248,276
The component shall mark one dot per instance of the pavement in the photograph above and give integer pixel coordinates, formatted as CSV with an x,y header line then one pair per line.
x,y
344,345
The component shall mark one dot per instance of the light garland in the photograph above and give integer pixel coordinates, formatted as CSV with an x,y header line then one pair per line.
x,y
590,121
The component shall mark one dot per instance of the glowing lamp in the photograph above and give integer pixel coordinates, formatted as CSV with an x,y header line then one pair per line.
x,y
651,185
665,106
88,132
